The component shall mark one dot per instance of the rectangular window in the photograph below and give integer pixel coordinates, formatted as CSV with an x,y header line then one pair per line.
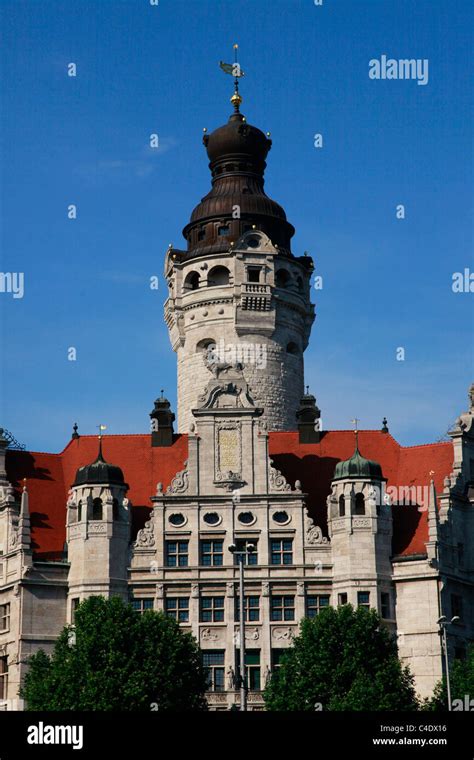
x,y
213,661
212,552
363,599
277,656
316,603
253,274
212,609
385,604
176,553
141,605
282,608
177,607
4,617
252,668
223,230
250,558
281,551
251,608
341,599
456,605
3,677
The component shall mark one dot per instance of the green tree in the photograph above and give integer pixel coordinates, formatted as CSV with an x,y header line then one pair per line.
x,y
119,660
461,678
343,659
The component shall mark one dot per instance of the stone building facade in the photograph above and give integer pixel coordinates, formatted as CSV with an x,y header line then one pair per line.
x,y
335,517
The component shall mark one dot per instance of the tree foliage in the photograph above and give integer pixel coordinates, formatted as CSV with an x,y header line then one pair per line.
x,y
120,661
343,659
461,681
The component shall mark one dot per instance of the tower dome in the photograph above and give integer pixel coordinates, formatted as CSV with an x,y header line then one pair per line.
x,y
358,468
99,471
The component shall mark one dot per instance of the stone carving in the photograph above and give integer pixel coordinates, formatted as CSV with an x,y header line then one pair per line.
x,y
300,588
251,634
180,482
282,634
96,528
231,679
265,588
146,536
160,590
227,389
314,534
71,498
230,589
207,634
159,489
361,522
277,480
195,590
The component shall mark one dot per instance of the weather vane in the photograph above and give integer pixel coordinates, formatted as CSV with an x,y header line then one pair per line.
x,y
234,70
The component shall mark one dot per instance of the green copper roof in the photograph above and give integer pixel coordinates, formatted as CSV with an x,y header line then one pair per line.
x,y
358,467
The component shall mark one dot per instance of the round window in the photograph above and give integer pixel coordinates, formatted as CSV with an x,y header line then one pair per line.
x,y
246,518
211,518
177,519
281,517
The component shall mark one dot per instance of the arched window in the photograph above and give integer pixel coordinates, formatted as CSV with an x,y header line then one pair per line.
x,y
218,276
97,509
192,281
282,278
359,508
115,509
79,511
292,348
342,505
299,283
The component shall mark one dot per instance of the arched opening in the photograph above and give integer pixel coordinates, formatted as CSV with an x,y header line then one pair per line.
x,y
299,284
97,509
282,278
115,509
359,508
79,511
192,281
292,348
218,276
342,505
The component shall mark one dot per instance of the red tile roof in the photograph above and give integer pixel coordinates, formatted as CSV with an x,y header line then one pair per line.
x,y
50,476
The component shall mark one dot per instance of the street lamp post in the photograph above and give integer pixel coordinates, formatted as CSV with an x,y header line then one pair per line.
x,y
241,556
443,623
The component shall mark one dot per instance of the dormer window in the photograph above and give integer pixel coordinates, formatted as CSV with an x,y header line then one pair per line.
x,y
201,233
223,230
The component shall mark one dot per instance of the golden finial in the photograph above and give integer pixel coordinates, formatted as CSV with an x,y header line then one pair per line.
x,y
234,70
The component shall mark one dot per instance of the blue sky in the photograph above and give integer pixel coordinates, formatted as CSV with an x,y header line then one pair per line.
x,y
143,69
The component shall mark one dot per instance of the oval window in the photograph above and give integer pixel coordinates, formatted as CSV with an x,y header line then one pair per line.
x,y
211,518
246,518
281,517
177,519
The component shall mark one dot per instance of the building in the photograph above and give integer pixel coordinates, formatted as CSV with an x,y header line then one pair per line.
x,y
335,517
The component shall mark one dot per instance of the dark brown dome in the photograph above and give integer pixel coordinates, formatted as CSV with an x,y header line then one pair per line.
x,y
237,153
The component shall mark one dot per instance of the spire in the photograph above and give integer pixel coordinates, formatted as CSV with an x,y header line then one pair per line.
x,y
75,434
24,531
235,70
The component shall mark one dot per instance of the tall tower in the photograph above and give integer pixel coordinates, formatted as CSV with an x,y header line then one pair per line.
x,y
237,294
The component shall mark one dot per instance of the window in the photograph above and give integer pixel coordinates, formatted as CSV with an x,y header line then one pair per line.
x,y
456,605
342,505
74,605
212,609
141,605
177,607
315,603
97,509
211,518
176,553
251,608
212,552
3,677
79,511
214,662
177,519
282,278
359,508
191,281
277,656
223,230
363,599
341,599
292,348
250,558
201,233
385,604
218,276
253,274
282,608
281,551
281,517
252,668
246,518
4,617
